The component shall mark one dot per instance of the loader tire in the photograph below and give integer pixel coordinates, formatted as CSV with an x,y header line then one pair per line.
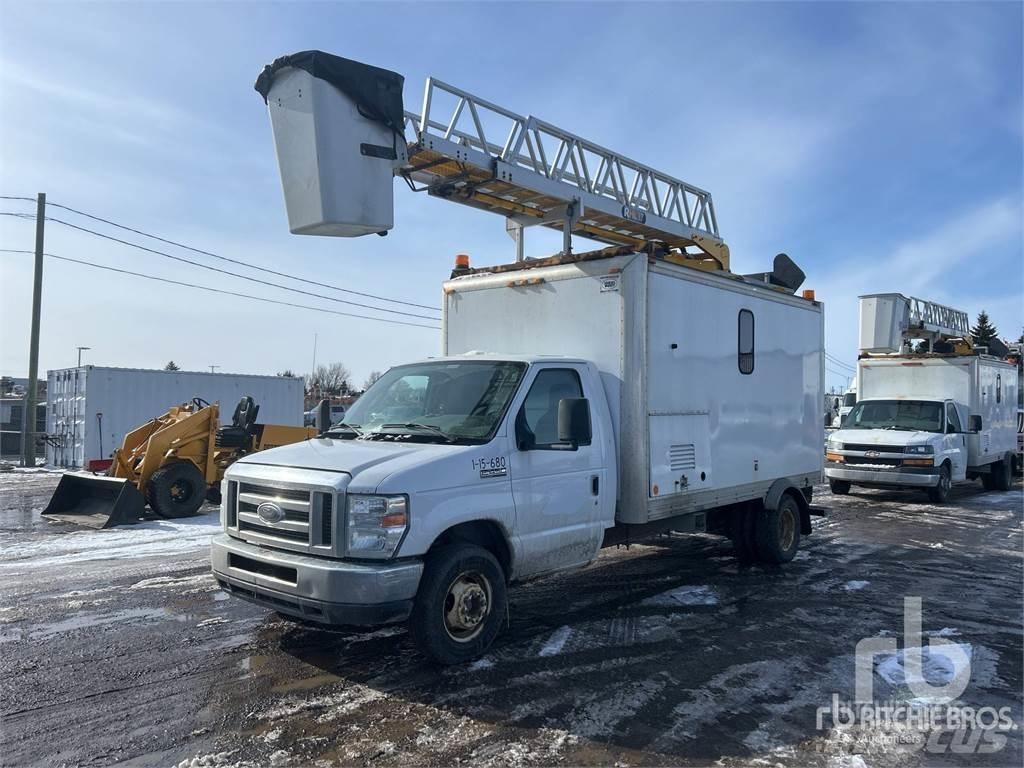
x,y
777,532
176,490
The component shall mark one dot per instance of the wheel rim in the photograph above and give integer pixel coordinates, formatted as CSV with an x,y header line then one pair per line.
x,y
787,528
467,604
181,492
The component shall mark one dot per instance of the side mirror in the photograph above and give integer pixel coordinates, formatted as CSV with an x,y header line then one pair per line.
x,y
574,422
322,417
974,423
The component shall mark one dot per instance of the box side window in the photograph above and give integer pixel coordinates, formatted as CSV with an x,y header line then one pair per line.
x,y
745,340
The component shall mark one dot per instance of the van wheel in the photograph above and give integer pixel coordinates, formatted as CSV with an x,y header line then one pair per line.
x,y
940,492
460,605
839,487
777,532
999,478
176,490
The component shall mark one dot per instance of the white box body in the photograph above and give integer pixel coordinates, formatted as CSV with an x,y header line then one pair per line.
x,y
90,409
692,431
330,186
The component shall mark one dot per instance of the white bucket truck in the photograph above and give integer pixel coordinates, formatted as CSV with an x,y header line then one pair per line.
x,y
580,401
924,420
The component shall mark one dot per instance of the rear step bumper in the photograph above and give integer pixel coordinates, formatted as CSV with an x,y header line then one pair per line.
x,y
315,588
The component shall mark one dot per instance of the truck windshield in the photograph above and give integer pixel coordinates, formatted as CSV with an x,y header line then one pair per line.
x,y
445,401
850,399
909,415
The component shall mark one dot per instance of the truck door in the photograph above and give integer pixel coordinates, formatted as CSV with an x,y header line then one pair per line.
x,y
954,443
557,491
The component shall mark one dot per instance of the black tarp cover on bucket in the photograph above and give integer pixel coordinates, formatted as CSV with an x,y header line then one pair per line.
x,y
377,92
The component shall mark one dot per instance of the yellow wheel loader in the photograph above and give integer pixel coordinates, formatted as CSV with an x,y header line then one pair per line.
x,y
173,463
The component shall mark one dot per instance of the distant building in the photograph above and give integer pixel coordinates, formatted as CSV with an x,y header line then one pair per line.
x,y
12,412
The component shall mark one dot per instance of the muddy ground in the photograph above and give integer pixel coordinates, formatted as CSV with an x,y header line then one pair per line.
x,y
116,647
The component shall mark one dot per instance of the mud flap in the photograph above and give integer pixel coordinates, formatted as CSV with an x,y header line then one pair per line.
x,y
95,501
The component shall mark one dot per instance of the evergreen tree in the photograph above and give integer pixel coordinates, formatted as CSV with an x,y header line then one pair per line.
x,y
171,366
984,331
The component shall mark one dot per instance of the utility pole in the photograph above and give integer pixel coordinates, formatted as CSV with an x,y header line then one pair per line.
x,y
28,422
80,349
213,368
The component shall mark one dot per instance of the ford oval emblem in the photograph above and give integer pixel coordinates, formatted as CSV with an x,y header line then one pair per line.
x,y
270,512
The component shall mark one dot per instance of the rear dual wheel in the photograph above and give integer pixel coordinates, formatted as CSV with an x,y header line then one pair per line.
x,y
768,535
999,477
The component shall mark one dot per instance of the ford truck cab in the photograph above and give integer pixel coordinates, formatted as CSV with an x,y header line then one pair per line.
x,y
423,464
902,443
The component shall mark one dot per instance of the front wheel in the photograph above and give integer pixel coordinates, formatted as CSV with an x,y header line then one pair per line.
x,y
940,492
176,490
460,605
778,532
839,487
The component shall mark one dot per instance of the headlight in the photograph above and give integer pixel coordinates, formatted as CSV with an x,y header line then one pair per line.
x,y
376,524
919,449
835,443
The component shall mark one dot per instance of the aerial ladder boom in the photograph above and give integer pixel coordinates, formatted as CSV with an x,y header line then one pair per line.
x,y
889,321
342,135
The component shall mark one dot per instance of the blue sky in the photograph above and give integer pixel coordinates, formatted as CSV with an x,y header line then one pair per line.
x,y
879,145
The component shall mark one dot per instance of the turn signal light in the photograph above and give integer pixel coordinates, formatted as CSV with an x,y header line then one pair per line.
x,y
919,462
834,457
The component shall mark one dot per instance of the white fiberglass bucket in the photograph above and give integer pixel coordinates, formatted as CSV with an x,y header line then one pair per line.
x,y
337,167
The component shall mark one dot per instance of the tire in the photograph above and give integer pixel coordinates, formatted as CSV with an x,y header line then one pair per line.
x,y
461,603
213,494
1001,476
839,487
777,531
176,490
940,492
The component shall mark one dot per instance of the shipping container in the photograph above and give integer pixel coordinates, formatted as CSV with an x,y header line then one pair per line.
x,y
92,408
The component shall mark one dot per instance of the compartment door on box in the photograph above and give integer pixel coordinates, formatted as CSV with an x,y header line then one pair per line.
x,y
680,452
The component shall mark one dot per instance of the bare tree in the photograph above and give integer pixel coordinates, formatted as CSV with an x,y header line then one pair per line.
x,y
328,380
371,379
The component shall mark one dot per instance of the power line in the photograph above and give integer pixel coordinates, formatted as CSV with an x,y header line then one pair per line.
x,y
236,274
221,291
839,362
230,260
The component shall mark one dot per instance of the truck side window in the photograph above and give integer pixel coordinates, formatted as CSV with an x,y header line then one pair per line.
x,y
952,419
745,340
540,409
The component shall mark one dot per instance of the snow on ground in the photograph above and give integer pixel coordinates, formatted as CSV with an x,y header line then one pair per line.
x,y
688,595
853,586
556,642
160,537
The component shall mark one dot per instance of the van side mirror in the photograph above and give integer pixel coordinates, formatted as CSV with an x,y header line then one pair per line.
x,y
974,423
574,422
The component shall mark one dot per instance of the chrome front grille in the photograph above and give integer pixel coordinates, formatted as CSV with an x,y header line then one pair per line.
x,y
307,524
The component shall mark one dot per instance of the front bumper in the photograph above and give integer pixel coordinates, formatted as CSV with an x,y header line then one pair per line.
x,y
897,477
316,588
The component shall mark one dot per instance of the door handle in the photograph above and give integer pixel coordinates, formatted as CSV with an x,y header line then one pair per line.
x,y
595,484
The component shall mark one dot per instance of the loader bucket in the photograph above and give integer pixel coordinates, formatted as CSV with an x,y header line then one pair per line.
x,y
95,501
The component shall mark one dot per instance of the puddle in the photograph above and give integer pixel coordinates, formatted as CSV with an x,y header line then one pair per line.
x,y
88,620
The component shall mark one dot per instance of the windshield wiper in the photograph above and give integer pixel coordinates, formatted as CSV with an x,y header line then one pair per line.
x,y
423,428
341,426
